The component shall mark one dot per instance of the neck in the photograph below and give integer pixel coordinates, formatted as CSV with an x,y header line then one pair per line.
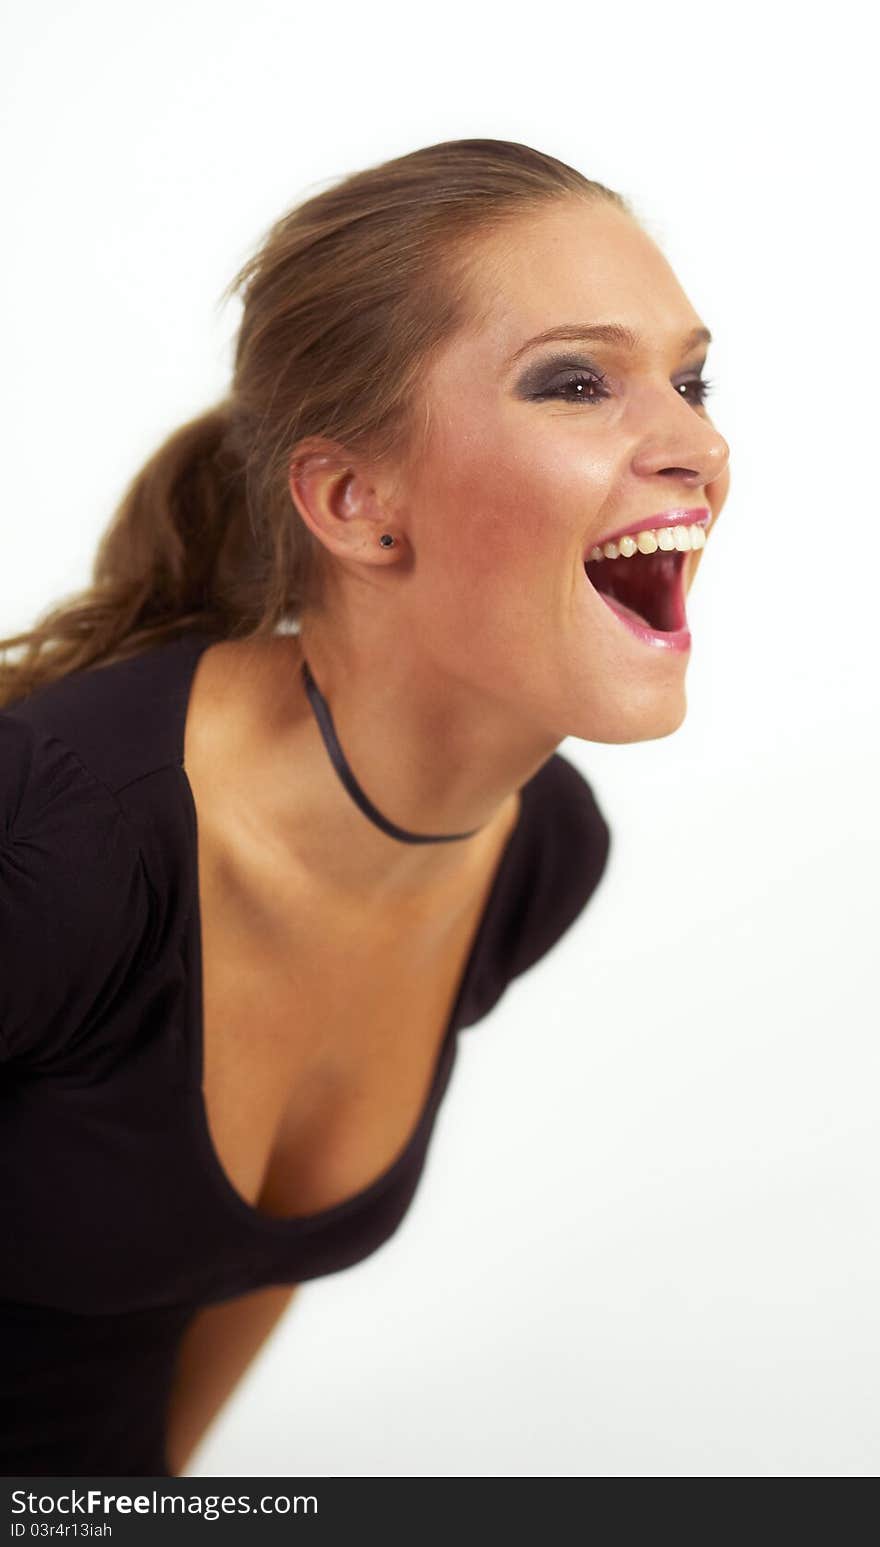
x,y
430,758
340,762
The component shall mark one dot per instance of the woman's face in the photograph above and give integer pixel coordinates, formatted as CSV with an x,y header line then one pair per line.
x,y
537,451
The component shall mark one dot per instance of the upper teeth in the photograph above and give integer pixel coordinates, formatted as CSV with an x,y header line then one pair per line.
x,y
666,538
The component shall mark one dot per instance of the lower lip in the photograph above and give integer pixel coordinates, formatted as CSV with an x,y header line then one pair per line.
x,y
678,640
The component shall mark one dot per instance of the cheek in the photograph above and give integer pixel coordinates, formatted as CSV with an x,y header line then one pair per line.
x,y
504,504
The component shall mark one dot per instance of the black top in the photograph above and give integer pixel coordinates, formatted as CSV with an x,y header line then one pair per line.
x,y
117,1221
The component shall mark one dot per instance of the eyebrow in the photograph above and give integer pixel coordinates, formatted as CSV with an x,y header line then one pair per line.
x,y
606,332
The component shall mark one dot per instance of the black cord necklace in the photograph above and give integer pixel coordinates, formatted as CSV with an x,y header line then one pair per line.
x,y
337,756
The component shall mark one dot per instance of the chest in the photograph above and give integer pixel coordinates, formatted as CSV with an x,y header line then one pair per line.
x,y
321,1035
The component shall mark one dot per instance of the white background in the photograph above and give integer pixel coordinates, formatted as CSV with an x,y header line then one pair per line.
x,y
646,1241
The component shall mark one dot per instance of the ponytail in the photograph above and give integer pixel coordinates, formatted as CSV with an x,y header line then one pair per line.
x,y
174,557
345,303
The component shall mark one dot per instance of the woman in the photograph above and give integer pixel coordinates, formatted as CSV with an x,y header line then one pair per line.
x,y
282,806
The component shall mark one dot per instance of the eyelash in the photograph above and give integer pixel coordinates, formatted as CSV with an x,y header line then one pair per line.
x,y
703,387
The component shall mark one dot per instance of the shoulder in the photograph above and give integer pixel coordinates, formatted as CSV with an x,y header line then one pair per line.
x,y
553,865
74,897
565,853
122,718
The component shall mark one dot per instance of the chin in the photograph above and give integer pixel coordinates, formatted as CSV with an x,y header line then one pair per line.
x,y
650,720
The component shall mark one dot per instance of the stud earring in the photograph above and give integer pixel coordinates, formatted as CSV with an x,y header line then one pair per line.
x,y
386,540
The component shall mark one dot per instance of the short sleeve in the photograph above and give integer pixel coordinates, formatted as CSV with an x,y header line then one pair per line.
x,y
74,898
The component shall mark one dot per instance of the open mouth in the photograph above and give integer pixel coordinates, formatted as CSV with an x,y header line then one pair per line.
x,y
648,584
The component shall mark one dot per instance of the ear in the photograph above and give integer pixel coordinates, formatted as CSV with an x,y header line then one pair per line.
x,y
340,499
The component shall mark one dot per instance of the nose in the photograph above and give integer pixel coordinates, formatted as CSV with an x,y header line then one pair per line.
x,y
683,446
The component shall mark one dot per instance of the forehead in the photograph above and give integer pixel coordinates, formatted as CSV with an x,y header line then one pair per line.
x,y
573,262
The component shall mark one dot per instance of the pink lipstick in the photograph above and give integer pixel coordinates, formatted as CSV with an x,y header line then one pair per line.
x,y
645,591
698,515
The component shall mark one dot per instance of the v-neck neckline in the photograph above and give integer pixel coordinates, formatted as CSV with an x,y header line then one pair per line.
x,y
196,643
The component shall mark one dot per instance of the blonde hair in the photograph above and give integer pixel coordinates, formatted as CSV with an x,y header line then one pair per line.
x,y
344,302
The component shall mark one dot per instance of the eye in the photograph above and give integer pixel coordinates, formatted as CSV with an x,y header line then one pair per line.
x,y
578,387
588,387
698,385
